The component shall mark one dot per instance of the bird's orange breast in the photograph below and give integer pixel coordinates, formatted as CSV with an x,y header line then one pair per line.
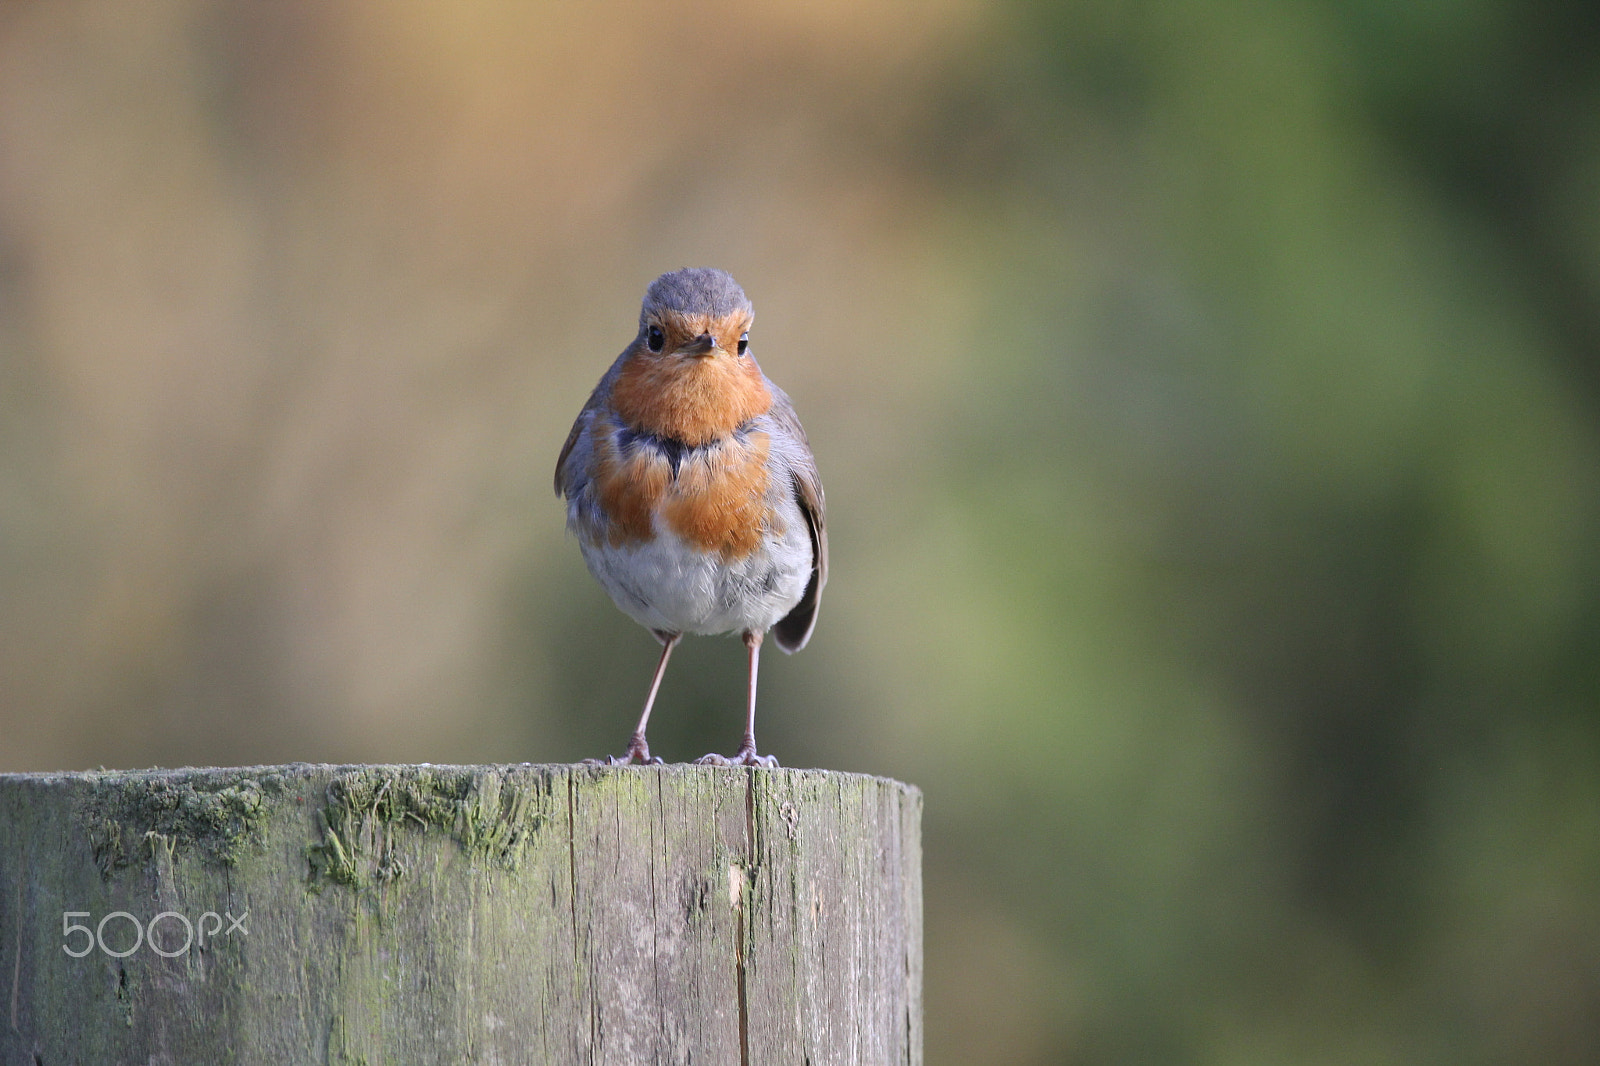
x,y
691,399
714,502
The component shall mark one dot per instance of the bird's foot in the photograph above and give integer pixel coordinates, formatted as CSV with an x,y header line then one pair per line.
x,y
638,753
745,756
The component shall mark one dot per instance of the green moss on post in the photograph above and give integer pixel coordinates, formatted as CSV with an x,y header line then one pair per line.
x,y
397,914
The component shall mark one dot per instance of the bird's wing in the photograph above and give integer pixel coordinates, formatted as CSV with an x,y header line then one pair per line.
x,y
572,467
569,483
794,629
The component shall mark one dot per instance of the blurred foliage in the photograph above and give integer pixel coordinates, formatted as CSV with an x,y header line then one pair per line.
x,y
1208,396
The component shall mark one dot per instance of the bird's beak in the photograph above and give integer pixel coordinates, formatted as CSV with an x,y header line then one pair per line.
x,y
701,345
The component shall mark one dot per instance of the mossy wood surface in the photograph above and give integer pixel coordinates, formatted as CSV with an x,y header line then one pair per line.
x,y
487,914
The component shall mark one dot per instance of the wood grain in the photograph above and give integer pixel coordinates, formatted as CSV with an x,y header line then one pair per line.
x,y
488,914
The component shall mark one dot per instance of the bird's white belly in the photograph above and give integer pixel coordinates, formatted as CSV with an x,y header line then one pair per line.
x,y
666,585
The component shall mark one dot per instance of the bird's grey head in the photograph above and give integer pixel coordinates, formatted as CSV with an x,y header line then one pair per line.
x,y
695,291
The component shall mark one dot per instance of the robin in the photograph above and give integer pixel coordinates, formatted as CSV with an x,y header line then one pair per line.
x,y
693,491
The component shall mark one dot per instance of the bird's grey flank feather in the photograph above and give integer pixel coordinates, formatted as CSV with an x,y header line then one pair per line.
x,y
794,629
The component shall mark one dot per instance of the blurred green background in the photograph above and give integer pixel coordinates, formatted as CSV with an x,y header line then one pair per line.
x,y
1207,394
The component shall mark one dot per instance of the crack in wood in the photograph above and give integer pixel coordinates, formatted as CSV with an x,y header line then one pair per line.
x,y
741,929
16,965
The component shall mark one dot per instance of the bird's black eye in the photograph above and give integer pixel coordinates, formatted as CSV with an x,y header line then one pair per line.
x,y
744,341
655,338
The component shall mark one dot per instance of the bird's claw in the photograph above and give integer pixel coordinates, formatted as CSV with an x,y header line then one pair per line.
x,y
745,756
638,754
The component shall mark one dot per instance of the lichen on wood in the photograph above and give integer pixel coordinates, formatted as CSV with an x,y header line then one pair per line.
x,y
489,814
219,813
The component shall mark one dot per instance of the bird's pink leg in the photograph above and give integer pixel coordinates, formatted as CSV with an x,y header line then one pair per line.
x,y
746,755
639,751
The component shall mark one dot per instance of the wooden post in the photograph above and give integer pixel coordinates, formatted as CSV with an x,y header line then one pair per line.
x,y
482,914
